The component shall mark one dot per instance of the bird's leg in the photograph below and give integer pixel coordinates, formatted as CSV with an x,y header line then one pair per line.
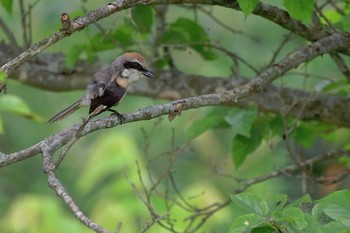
x,y
120,116
85,120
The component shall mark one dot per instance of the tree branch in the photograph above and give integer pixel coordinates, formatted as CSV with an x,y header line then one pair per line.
x,y
272,13
75,25
48,71
49,168
305,53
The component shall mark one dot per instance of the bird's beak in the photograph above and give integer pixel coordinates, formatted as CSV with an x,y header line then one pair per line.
x,y
148,74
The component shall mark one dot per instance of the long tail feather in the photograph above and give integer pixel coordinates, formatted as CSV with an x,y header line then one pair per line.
x,y
65,112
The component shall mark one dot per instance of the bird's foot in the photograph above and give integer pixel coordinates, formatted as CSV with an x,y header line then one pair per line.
x,y
116,113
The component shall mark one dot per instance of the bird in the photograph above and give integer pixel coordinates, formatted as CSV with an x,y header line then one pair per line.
x,y
109,86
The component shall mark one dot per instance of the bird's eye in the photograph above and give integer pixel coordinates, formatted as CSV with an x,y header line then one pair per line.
x,y
133,65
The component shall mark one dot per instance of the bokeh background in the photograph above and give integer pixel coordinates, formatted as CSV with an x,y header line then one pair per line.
x,y
101,168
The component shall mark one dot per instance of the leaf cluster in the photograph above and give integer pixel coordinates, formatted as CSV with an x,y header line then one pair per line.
x,y
273,214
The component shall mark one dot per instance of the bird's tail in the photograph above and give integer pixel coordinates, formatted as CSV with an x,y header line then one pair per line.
x,y
65,112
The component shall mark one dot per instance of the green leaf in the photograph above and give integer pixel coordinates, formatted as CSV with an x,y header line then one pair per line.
x,y
186,31
91,55
334,226
101,42
345,23
242,146
247,6
1,126
305,134
242,120
73,55
7,5
251,202
3,77
276,202
300,9
246,223
124,35
264,229
12,103
294,217
304,199
143,18
333,16
209,122
276,125
336,205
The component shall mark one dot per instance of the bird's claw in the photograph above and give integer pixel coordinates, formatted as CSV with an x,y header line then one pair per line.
x,y
120,116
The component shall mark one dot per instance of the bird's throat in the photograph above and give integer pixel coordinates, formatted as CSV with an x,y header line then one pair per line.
x,y
122,82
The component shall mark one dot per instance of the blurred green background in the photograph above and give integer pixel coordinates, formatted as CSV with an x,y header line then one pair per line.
x,y
100,169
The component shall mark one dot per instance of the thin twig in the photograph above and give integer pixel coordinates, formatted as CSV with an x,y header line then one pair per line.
x,y
55,184
339,61
11,37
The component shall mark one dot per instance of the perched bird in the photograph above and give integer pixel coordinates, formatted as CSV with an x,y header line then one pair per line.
x,y
109,86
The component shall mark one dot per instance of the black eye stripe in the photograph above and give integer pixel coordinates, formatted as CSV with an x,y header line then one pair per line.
x,y
133,65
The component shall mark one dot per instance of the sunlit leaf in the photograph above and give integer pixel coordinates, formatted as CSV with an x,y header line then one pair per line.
x,y
186,31
2,77
142,17
12,103
246,223
332,15
242,146
300,9
7,5
251,202
247,6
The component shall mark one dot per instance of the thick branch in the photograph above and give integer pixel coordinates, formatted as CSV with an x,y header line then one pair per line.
x,y
48,71
305,53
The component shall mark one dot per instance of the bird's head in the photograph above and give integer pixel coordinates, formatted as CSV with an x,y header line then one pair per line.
x,y
132,67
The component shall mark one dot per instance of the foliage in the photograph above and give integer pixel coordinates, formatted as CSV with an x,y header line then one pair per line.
x,y
7,4
272,214
13,104
298,9
185,168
